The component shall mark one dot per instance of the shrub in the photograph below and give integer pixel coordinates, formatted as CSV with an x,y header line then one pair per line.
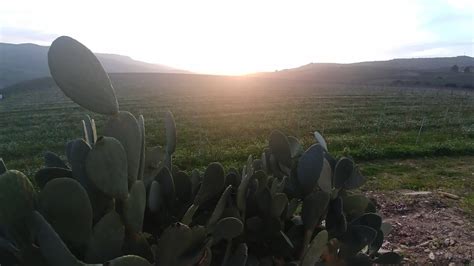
x,y
117,202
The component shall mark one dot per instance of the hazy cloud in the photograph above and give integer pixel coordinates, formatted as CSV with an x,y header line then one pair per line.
x,y
241,36
22,35
436,49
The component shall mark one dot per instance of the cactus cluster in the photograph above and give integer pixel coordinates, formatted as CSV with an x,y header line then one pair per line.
x,y
117,202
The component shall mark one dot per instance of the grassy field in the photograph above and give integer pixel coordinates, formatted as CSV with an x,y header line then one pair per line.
x,y
226,118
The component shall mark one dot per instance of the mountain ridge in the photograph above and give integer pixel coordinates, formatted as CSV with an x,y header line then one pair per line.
x,y
23,62
400,71
26,61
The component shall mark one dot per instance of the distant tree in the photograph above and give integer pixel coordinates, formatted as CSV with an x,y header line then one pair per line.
x,y
467,69
455,68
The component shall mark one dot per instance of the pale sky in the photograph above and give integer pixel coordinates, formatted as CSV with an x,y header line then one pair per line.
x,y
237,37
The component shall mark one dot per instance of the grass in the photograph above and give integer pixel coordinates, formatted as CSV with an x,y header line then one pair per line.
x,y
225,119
449,174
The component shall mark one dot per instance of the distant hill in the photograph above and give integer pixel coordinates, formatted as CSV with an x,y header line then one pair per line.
x,y
428,64
21,62
415,71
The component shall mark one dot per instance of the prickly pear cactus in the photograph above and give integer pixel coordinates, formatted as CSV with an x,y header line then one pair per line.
x,y
106,166
81,77
65,203
118,202
17,197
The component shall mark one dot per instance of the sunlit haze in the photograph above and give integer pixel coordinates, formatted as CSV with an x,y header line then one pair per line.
x,y
237,37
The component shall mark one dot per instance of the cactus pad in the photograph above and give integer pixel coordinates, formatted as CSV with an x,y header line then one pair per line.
x,y
65,204
106,167
79,74
17,197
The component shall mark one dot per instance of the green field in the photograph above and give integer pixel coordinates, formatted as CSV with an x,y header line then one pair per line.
x,y
226,119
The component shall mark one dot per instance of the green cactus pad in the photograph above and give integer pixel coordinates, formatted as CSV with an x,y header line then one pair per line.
x,y
356,205
183,187
320,139
265,160
274,166
173,243
90,132
77,151
248,169
220,206
168,189
106,166
155,197
141,126
343,171
356,179
232,179
154,157
134,209
228,228
314,206
51,246
325,177
264,202
128,260
106,240
137,244
243,188
79,74
65,204
262,180
257,165
309,168
188,216
368,219
125,128
17,197
296,148
196,180
242,193
278,186
212,183
77,156
377,243
280,148
196,248
3,167
316,249
198,236
355,239
51,159
279,204
170,127
45,175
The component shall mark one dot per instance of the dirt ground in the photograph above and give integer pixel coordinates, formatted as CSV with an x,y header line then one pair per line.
x,y
427,227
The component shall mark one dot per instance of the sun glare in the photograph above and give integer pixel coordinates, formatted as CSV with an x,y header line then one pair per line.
x,y
222,37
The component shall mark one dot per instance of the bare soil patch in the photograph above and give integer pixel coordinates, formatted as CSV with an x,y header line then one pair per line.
x,y
428,228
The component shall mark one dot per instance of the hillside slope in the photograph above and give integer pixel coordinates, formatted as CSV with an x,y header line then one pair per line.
x,y
21,62
416,71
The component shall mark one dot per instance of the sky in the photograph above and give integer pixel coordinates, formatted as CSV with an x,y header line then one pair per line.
x,y
245,36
